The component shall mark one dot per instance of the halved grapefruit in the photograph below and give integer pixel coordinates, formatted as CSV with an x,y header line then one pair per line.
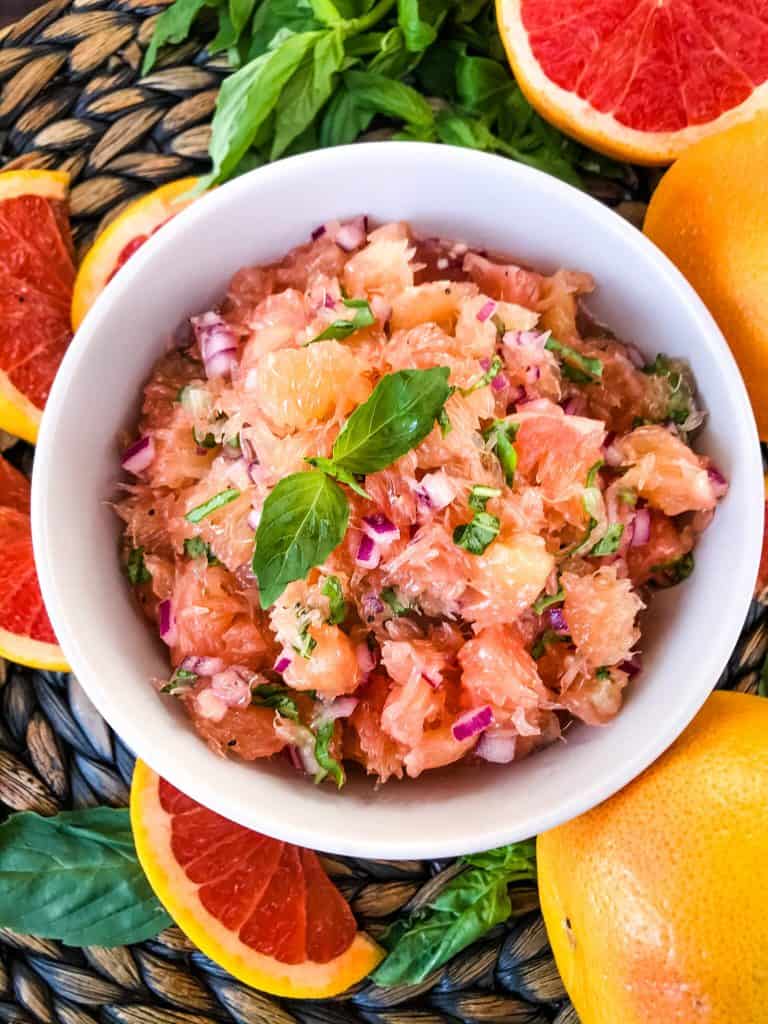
x,y
639,80
120,240
36,276
26,635
264,910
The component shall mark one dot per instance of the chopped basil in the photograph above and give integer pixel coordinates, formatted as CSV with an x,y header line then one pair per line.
x,y
549,636
610,541
306,644
574,366
209,441
214,503
476,535
480,495
603,673
501,435
493,371
547,600
195,547
396,606
593,471
181,681
233,442
680,405
328,763
337,605
669,574
341,329
277,696
135,567
444,422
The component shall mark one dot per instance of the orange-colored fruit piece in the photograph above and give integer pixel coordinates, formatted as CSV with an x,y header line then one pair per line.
x,y
640,80
36,276
121,239
264,910
710,216
654,901
26,635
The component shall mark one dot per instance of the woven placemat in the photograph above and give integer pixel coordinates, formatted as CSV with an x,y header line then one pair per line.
x,y
71,96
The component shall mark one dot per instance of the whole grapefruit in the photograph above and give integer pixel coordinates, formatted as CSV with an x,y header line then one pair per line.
x,y
656,901
710,216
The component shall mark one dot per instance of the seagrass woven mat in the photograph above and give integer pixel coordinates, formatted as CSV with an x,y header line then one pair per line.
x,y
71,97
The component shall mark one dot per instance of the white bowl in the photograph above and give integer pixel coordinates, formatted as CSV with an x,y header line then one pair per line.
x,y
459,194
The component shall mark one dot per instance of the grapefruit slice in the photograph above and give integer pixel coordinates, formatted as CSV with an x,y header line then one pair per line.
x,y
36,277
26,635
264,910
639,80
120,240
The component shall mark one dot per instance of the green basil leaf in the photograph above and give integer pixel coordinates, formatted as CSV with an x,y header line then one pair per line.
x,y
575,366
518,859
226,37
436,73
75,877
136,569
418,34
610,541
480,82
337,605
216,502
390,598
181,682
396,418
326,12
444,422
240,13
603,672
493,371
277,696
341,329
247,98
384,95
329,466
480,495
274,20
476,535
173,26
547,600
308,91
328,763
669,574
195,547
208,441
304,518
343,120
501,435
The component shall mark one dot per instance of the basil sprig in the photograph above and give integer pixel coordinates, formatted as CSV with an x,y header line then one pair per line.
x,y
76,877
305,516
462,912
341,329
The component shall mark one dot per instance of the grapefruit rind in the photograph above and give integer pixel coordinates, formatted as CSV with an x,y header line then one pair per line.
x,y
152,835
139,218
47,184
32,653
18,416
577,117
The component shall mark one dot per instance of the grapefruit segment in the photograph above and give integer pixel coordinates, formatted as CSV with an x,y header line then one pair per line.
x,y
26,635
264,910
36,277
122,238
638,79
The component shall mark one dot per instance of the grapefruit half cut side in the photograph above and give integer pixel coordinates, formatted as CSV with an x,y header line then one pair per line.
x,y
123,237
36,277
640,80
264,910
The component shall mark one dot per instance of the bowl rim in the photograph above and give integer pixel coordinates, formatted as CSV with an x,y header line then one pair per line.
x,y
72,636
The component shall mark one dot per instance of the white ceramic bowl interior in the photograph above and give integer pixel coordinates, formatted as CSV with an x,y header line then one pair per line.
x,y
459,194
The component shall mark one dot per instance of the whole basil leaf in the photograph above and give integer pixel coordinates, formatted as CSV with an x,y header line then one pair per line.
x,y
384,95
469,906
418,34
398,416
240,13
308,90
480,81
75,877
247,98
343,119
173,26
275,19
304,518
326,12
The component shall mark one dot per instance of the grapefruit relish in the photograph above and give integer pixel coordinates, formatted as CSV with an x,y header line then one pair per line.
x,y
396,503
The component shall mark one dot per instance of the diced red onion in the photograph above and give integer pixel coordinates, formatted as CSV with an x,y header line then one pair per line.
x,y
499,382
256,472
166,623
485,363
437,489
282,663
217,341
472,722
249,452
632,666
497,746
202,666
575,406
556,617
535,339
209,705
435,680
329,302
380,529
519,397
318,232
718,481
220,365
366,660
253,520
138,456
533,373
341,707
293,755
368,553
372,606
641,528
232,688
485,311
351,235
